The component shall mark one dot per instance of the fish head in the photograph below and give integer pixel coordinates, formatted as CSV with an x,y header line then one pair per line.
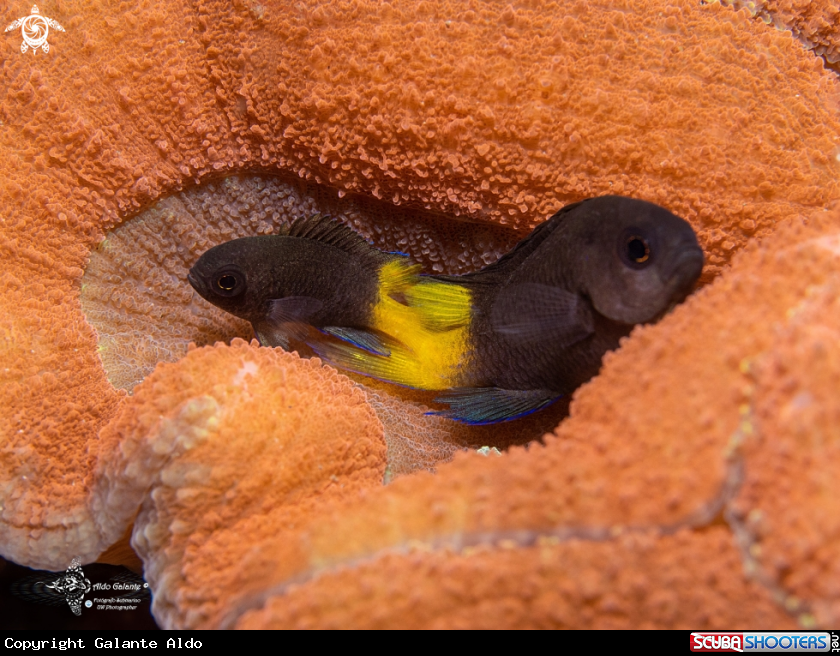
x,y
229,276
636,259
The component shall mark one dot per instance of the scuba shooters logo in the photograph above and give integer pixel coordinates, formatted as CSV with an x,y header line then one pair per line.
x,y
744,641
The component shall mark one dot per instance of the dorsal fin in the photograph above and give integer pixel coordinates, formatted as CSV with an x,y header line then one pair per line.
x,y
518,253
327,230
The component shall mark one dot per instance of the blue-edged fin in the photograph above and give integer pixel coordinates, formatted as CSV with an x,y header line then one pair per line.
x,y
364,339
345,354
535,313
287,319
490,405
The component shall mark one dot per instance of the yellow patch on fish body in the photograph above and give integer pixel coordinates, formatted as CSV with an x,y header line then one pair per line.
x,y
431,328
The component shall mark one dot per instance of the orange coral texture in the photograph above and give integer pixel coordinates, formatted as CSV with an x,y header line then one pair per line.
x,y
639,581
486,111
218,446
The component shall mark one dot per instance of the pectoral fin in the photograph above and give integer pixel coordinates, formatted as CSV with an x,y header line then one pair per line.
x,y
536,313
270,335
287,319
491,405
293,309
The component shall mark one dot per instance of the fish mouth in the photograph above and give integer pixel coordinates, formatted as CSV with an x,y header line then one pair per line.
x,y
196,283
684,269
679,275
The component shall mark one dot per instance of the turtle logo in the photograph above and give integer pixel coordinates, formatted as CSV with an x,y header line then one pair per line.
x,y
73,585
34,29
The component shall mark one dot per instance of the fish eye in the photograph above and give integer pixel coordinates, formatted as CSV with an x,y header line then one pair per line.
x,y
227,282
230,281
634,248
638,249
